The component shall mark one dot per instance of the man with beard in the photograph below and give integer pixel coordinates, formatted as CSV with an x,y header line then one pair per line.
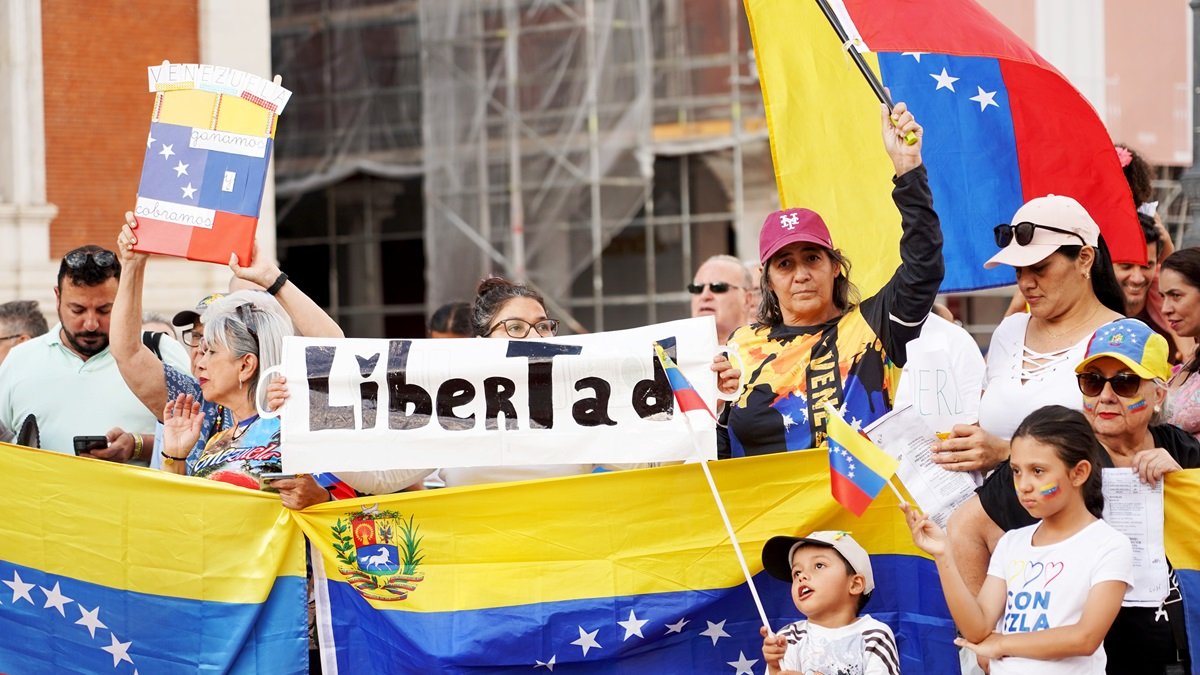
x,y
68,380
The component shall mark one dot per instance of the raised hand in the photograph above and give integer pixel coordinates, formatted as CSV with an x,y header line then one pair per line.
x,y
181,425
925,533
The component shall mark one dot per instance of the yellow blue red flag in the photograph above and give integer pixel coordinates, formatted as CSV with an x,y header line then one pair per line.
x,y
858,471
1001,127
621,572
106,568
685,394
1181,530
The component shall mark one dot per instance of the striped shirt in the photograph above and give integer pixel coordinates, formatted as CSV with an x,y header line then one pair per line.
x,y
865,647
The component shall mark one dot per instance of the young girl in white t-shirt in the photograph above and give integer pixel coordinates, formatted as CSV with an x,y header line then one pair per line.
x,y
1053,588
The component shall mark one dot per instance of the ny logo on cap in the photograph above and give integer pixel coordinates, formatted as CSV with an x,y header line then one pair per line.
x,y
789,220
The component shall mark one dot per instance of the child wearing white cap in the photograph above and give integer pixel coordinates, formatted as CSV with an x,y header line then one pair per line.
x,y
831,581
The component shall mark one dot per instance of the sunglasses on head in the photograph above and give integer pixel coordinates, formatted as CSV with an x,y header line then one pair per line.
x,y
1023,233
245,312
102,258
1125,385
717,287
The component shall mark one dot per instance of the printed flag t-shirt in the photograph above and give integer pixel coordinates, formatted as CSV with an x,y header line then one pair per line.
x,y
241,454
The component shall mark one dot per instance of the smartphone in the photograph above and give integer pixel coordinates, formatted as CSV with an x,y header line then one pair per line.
x,y
268,477
88,443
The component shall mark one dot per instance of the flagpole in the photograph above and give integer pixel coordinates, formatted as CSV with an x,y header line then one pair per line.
x,y
737,548
895,491
876,85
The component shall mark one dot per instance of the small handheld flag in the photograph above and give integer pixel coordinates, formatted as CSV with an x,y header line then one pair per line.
x,y
685,394
858,471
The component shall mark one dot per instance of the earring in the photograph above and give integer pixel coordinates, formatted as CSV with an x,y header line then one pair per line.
x,y
241,383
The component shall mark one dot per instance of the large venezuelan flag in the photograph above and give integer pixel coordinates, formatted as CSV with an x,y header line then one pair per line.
x,y
623,572
114,569
1181,534
1002,126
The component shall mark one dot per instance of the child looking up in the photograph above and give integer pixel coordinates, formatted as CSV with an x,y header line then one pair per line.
x,y
1055,586
831,581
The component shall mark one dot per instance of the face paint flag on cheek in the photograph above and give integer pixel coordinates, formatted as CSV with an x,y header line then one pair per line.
x,y
1049,489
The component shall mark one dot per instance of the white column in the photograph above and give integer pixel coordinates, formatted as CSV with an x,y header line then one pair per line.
x,y
24,214
237,33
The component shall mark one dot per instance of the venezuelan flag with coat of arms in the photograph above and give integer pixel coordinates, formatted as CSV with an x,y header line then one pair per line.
x,y
1001,127
107,568
619,572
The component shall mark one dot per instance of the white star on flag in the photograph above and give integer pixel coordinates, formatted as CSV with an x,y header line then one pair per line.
x,y
788,422
676,627
55,599
150,140
167,151
19,588
985,98
181,169
744,665
915,55
119,650
587,640
716,631
944,81
855,423
804,413
632,626
548,665
188,191
91,619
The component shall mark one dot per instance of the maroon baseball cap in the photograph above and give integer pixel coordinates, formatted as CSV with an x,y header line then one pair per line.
x,y
788,227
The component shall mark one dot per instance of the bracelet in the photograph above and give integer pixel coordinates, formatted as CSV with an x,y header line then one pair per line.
x,y
278,285
137,447
169,458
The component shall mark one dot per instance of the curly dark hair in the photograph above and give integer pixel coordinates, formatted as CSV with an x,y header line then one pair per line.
x,y
1074,441
1139,175
452,317
89,265
1186,263
490,296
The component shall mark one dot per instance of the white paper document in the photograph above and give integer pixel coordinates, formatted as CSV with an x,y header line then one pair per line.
x,y
1136,511
905,435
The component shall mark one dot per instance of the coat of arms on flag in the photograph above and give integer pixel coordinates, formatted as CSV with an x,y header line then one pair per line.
x,y
378,553
210,140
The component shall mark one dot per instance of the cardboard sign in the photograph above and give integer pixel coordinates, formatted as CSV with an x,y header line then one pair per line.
x,y
211,133
360,405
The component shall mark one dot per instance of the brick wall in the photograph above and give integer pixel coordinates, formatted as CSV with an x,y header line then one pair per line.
x,y
98,107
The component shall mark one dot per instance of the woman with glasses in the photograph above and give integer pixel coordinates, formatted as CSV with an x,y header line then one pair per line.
x,y
1065,274
814,343
1121,384
507,311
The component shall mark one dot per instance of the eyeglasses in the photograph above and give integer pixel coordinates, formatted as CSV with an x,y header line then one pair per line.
x,y
1125,385
519,328
102,258
1024,233
245,312
717,287
11,337
192,337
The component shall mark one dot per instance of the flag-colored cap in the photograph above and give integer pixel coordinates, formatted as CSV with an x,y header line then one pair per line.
x,y
778,551
189,317
1134,344
1055,211
788,227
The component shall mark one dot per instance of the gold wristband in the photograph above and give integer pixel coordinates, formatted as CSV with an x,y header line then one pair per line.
x,y
137,447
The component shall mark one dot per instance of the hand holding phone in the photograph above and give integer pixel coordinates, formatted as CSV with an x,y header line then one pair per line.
x,y
269,476
88,443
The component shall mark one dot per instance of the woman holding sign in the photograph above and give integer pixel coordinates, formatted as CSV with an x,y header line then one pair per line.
x,y
814,342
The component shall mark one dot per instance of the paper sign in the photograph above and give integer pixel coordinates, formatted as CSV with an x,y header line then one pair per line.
x,y
1135,509
361,405
205,166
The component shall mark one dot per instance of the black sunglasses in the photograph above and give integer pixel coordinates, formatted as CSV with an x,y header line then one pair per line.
x,y
1125,385
1023,232
717,287
102,258
246,314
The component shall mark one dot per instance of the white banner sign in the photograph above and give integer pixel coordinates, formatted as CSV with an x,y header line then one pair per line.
x,y
362,405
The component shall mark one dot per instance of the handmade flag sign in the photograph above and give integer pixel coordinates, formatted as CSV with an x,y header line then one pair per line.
x,y
858,471
578,399
1001,127
597,573
106,568
210,140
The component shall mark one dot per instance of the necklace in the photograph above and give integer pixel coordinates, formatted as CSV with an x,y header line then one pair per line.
x,y
1057,336
240,428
